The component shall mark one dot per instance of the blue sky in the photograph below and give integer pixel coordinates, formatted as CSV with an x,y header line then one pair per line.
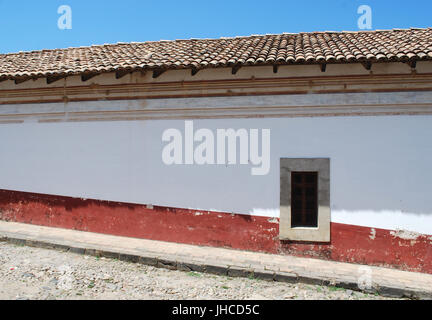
x,y
32,25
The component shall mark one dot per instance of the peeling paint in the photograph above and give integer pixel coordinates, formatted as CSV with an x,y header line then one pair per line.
x,y
372,234
405,234
273,220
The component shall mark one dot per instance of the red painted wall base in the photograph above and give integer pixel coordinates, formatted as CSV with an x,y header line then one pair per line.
x,y
348,243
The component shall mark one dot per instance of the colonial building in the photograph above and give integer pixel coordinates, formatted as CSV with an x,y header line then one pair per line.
x,y
313,144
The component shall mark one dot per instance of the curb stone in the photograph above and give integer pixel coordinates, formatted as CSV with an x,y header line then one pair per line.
x,y
256,271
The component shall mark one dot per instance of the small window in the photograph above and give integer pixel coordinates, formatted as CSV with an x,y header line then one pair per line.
x,y
304,199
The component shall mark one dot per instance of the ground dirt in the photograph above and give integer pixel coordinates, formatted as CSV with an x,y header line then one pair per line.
x,y
36,273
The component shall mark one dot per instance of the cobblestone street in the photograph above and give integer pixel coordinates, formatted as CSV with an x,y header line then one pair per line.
x,y
36,273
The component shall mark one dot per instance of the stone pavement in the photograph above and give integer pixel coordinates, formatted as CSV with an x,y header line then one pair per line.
x,y
384,281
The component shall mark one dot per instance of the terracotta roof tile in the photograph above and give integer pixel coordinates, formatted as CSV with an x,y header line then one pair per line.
x,y
286,48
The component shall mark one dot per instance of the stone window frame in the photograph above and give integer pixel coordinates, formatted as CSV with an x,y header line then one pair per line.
x,y
309,234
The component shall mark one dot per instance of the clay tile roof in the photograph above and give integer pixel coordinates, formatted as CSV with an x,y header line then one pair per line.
x,y
286,48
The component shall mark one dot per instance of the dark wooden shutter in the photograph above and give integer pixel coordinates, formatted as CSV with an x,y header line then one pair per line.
x,y
304,199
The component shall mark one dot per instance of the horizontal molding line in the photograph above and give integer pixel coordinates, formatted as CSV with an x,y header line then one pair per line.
x,y
304,105
296,85
234,112
208,95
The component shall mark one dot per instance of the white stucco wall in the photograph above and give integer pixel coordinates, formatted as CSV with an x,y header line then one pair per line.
x,y
380,166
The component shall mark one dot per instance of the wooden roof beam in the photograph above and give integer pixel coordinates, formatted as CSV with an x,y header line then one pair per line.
x,y
158,72
87,76
323,67
52,79
367,65
412,64
21,80
235,68
121,73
